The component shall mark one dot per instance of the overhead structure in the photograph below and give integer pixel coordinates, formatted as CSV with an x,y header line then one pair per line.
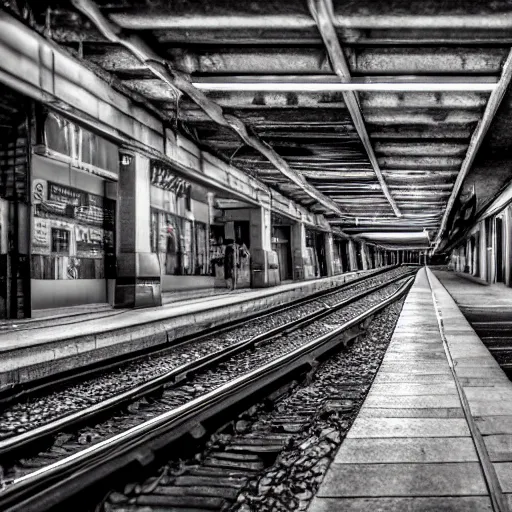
x,y
476,140
179,82
322,12
376,114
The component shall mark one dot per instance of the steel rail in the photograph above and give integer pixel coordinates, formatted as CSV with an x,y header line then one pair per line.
x,y
24,390
23,441
50,486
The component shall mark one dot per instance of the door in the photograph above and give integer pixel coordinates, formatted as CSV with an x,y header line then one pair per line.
x,y
320,250
344,256
359,257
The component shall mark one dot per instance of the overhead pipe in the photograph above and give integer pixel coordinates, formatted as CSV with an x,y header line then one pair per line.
x,y
289,21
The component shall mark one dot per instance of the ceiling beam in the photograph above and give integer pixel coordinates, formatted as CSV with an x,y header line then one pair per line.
x,y
476,141
322,12
179,81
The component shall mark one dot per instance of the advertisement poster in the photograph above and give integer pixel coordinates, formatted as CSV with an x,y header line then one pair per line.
x,y
66,195
41,236
39,191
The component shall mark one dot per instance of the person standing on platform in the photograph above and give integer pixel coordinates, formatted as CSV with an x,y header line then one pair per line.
x,y
230,257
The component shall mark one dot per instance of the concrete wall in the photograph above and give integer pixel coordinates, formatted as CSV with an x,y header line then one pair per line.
x,y
49,293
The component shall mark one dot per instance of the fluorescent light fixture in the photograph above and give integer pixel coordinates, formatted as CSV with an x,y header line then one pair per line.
x,y
345,86
393,236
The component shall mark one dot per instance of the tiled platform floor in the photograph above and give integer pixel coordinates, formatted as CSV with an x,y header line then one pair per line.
x,y
469,294
435,431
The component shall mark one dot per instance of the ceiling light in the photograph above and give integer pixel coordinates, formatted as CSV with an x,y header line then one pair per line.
x,y
345,86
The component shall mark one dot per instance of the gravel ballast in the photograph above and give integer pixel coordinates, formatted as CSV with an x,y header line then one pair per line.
x,y
298,436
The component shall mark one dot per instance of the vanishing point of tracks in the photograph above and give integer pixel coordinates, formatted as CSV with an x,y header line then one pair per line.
x,y
63,454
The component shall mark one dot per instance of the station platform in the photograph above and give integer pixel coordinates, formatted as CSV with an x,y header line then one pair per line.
x,y
435,431
471,294
36,348
489,311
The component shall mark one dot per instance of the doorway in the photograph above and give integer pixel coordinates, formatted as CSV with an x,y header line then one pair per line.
x,y
345,265
281,245
320,251
359,257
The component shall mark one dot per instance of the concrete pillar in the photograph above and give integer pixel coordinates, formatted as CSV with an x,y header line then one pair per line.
x,y
364,255
298,234
352,255
329,254
482,256
138,269
264,263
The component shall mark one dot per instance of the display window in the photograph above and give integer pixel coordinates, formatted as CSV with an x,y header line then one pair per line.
x,y
65,141
201,267
60,241
73,233
181,243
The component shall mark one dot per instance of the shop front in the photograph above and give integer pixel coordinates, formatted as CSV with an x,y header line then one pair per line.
x,y
180,231
73,216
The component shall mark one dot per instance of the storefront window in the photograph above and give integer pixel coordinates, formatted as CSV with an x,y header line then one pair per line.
x,y
57,134
60,241
201,267
74,228
181,243
216,247
173,246
153,234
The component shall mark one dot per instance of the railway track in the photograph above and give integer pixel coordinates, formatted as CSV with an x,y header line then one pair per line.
x,y
273,456
26,390
35,418
182,406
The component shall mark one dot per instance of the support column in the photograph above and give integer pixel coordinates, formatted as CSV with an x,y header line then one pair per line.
x,y
299,259
264,262
482,259
364,255
329,254
352,255
138,269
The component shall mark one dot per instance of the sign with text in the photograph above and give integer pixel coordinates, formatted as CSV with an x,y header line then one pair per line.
x,y
163,177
